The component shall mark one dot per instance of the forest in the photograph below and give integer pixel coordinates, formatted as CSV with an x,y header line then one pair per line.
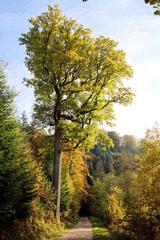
x,y
58,165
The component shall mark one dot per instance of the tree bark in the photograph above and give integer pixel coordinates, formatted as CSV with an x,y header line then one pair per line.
x,y
157,233
57,169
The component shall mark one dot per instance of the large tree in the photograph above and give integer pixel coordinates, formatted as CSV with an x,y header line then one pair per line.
x,y
148,184
77,78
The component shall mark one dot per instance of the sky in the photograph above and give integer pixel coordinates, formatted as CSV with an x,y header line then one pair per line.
x,y
130,22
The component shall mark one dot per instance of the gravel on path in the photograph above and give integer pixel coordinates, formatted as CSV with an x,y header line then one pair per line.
x,y
82,231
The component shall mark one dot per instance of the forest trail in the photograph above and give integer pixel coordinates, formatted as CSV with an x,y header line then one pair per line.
x,y
81,231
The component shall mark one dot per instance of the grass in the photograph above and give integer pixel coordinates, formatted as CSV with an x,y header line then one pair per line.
x,y
99,231
102,233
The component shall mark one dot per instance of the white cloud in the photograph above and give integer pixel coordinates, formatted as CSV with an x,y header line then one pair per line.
x,y
145,110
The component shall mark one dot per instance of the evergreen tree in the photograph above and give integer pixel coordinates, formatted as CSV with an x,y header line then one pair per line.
x,y
17,169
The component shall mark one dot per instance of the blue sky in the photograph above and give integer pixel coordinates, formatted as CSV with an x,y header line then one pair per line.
x,y
130,22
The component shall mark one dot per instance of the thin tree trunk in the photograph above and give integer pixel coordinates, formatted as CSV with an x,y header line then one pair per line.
x,y
157,233
57,169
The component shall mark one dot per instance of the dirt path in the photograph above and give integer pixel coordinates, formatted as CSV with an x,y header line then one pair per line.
x,y
82,231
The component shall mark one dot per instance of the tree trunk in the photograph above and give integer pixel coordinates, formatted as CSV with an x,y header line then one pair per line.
x,y
57,169
157,233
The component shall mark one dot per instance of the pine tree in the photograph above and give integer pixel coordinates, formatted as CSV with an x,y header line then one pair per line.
x,y
17,169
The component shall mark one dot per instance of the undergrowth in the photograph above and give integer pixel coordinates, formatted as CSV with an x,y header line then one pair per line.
x,y
100,232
